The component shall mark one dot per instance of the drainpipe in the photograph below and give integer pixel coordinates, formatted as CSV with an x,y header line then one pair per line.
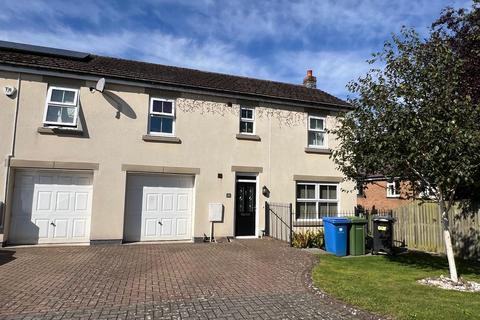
x,y
11,155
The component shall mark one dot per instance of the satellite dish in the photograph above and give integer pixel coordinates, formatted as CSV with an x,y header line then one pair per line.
x,y
100,85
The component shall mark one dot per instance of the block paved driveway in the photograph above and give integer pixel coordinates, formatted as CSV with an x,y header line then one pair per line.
x,y
245,279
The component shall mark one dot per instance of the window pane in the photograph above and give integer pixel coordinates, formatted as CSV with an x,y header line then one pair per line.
x,y
155,124
323,192
316,124
332,192
323,209
167,125
63,96
305,191
332,209
61,114
68,96
167,107
315,138
157,106
307,210
57,95
246,113
161,124
246,127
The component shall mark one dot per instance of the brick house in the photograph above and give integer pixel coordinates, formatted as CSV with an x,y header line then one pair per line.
x,y
379,193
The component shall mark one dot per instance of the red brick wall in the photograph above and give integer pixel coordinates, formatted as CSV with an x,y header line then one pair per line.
x,y
375,194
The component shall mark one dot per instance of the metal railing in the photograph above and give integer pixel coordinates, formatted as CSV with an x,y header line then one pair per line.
x,y
278,221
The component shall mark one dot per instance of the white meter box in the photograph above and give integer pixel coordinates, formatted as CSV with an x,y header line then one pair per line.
x,y
215,212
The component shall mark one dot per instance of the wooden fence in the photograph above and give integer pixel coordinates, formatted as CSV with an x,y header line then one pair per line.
x,y
418,226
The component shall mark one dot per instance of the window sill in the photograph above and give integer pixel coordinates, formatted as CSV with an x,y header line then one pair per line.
x,y
252,137
60,131
393,197
318,150
164,139
308,223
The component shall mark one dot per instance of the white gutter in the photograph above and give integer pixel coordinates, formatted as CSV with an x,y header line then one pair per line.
x,y
173,87
12,152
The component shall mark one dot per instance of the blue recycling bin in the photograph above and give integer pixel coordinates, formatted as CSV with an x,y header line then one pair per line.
x,y
336,235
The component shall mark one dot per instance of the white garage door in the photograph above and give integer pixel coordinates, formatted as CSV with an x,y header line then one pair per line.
x,y
158,207
51,207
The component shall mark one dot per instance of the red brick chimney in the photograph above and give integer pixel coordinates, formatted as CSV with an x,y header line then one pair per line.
x,y
310,81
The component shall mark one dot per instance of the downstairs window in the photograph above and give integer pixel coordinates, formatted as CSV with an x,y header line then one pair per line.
x,y
316,200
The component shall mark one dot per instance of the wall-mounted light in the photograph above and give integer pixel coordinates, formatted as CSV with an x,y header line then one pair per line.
x,y
265,192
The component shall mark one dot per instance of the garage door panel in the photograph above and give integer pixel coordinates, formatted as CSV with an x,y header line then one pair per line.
x,y
43,226
81,201
182,202
44,200
182,226
63,201
167,202
79,228
60,229
158,201
151,203
47,205
167,228
151,227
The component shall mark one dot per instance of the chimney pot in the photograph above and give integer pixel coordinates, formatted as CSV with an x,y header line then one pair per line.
x,y
310,81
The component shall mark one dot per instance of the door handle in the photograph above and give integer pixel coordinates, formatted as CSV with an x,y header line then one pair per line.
x,y
160,223
53,224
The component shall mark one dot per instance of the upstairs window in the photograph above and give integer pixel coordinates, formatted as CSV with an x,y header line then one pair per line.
x,y
393,189
162,117
61,107
247,120
316,132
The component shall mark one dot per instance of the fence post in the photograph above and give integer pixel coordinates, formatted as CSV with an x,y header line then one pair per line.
x,y
267,219
290,224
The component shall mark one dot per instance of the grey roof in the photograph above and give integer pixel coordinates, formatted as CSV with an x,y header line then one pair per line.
x,y
81,63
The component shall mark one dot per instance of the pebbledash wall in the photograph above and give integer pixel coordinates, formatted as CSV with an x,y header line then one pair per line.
x,y
207,127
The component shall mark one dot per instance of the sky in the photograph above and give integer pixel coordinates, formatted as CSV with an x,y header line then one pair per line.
x,y
266,39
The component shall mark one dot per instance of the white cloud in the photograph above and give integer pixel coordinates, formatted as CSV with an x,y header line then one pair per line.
x,y
334,38
211,55
332,69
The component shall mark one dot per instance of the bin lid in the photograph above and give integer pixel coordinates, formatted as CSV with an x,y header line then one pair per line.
x,y
335,220
354,219
383,218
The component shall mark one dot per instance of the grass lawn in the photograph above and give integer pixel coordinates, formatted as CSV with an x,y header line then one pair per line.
x,y
387,285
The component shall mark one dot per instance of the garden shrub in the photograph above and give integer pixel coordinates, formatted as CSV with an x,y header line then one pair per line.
x,y
308,239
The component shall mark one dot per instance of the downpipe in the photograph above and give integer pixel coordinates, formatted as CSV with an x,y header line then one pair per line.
x,y
10,156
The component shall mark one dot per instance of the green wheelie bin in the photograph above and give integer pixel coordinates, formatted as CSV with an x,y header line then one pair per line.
x,y
356,235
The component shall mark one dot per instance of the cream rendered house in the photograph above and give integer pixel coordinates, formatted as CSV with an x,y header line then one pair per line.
x,y
143,159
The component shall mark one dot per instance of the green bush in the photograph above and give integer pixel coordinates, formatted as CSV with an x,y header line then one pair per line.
x,y
308,239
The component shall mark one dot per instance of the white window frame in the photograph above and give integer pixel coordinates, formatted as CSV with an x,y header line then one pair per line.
x,y
252,120
162,114
48,103
389,188
317,198
325,141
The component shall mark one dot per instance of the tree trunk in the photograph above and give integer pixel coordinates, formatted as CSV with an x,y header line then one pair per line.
x,y
448,241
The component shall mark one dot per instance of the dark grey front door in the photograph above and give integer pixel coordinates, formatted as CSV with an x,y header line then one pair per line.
x,y
245,209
